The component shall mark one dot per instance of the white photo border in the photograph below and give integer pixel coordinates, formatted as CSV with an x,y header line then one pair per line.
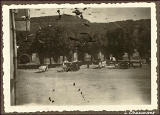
x,y
6,63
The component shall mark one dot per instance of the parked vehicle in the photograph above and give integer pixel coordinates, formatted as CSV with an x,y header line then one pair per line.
x,y
69,66
123,65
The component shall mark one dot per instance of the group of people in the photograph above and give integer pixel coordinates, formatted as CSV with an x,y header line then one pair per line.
x,y
104,63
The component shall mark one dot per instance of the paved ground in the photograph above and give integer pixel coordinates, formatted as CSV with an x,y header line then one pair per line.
x,y
98,86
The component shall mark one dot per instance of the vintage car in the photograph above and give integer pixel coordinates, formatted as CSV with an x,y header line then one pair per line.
x,y
123,65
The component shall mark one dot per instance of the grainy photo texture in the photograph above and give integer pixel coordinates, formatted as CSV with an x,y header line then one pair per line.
x,y
79,57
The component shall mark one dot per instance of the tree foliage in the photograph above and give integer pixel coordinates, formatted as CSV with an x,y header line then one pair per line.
x,y
53,42
144,42
57,42
116,44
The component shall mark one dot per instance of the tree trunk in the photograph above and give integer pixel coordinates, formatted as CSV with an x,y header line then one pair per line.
x,y
104,57
83,57
50,60
63,57
129,58
41,58
55,57
107,56
80,56
69,57
87,64
91,57
30,55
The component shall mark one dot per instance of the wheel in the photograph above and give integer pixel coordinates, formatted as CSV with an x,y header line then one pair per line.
x,y
77,67
24,58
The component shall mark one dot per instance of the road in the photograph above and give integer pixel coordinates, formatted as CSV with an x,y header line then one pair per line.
x,y
92,86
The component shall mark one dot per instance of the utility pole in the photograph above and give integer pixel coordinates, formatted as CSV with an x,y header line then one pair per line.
x,y
12,12
50,60
15,25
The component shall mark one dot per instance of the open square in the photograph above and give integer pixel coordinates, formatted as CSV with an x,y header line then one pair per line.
x,y
98,86
83,57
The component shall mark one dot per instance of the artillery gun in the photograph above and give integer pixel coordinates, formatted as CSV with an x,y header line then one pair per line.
x,y
69,66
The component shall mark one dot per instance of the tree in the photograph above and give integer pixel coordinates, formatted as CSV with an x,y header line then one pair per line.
x,y
53,42
130,42
89,44
24,42
41,45
61,43
103,42
116,45
144,42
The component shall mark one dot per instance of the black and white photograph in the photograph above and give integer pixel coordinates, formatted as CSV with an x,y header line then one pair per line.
x,y
79,57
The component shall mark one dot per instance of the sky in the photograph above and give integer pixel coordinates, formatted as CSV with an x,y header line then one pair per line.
x,y
98,15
